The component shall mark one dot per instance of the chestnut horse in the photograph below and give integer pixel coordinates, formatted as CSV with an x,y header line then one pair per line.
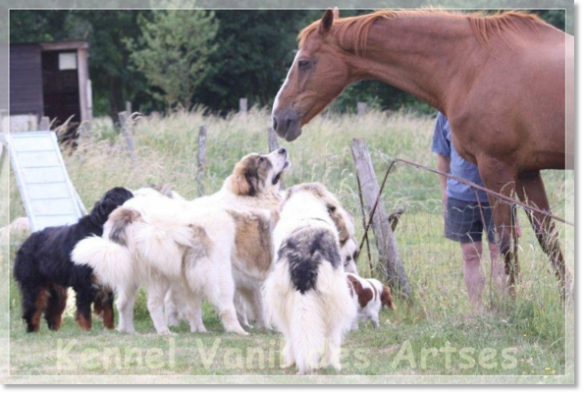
x,y
504,82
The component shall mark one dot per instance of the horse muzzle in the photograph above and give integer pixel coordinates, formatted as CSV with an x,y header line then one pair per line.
x,y
287,125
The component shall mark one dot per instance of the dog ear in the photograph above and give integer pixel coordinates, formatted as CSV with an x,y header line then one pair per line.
x,y
253,181
337,218
244,179
239,183
387,299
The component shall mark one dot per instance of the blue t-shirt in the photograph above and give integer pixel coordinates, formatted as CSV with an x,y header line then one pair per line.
x,y
459,166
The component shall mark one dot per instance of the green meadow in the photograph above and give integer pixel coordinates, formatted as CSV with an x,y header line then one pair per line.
x,y
527,339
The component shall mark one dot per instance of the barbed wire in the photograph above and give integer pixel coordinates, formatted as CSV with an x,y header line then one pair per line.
x,y
459,179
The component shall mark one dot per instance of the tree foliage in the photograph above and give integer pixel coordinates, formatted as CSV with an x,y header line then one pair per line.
x,y
197,57
173,52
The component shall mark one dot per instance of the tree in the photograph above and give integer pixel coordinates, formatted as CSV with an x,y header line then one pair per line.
x,y
173,53
113,81
256,49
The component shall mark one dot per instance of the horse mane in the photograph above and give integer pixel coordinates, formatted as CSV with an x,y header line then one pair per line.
x,y
483,26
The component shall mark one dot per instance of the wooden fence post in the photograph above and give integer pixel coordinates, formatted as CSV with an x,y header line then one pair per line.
x,y
201,153
273,146
243,105
362,108
387,246
124,118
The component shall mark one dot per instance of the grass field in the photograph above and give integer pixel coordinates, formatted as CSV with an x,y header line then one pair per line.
x,y
435,333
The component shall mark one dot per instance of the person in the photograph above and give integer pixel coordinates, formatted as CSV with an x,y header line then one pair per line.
x,y
467,215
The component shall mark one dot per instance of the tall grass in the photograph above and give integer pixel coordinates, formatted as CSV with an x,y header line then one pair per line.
x,y
166,148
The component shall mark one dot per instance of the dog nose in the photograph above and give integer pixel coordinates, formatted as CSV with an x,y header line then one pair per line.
x,y
282,151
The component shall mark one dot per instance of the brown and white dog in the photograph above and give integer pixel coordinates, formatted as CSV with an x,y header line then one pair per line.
x,y
202,249
251,197
369,297
252,261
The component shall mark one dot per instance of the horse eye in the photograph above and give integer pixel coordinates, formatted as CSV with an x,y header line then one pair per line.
x,y
348,258
303,64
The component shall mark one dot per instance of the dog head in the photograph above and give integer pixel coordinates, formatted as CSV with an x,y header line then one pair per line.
x,y
256,174
386,297
109,202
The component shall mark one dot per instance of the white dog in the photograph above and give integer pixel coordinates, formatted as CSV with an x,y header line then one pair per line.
x,y
306,294
369,297
200,250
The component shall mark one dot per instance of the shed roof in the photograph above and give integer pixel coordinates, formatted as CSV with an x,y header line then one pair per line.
x,y
57,45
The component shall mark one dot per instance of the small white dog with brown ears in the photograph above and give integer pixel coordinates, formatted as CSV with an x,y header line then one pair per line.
x,y
369,297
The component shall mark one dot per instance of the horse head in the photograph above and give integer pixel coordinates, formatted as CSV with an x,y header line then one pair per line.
x,y
317,76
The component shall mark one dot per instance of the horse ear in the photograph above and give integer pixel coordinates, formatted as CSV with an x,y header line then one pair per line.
x,y
326,22
336,13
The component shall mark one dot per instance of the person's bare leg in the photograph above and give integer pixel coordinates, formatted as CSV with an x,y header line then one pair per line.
x,y
474,280
498,269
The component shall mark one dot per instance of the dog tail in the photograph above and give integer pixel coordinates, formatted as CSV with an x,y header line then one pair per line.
x,y
118,222
300,316
162,239
308,331
111,262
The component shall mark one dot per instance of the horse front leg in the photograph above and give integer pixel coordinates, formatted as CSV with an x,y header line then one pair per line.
x,y
530,189
499,178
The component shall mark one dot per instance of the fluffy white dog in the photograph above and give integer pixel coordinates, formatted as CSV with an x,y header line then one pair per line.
x,y
199,250
306,294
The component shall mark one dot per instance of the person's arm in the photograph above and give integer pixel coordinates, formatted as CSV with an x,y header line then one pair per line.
x,y
442,147
444,166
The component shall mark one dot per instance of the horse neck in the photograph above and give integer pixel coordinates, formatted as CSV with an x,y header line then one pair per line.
x,y
417,55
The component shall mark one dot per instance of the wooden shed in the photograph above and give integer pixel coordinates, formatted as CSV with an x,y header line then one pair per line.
x,y
52,80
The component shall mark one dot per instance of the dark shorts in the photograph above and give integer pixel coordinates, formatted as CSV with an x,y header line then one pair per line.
x,y
464,221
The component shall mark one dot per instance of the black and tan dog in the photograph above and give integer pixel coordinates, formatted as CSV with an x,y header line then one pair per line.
x,y
43,269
